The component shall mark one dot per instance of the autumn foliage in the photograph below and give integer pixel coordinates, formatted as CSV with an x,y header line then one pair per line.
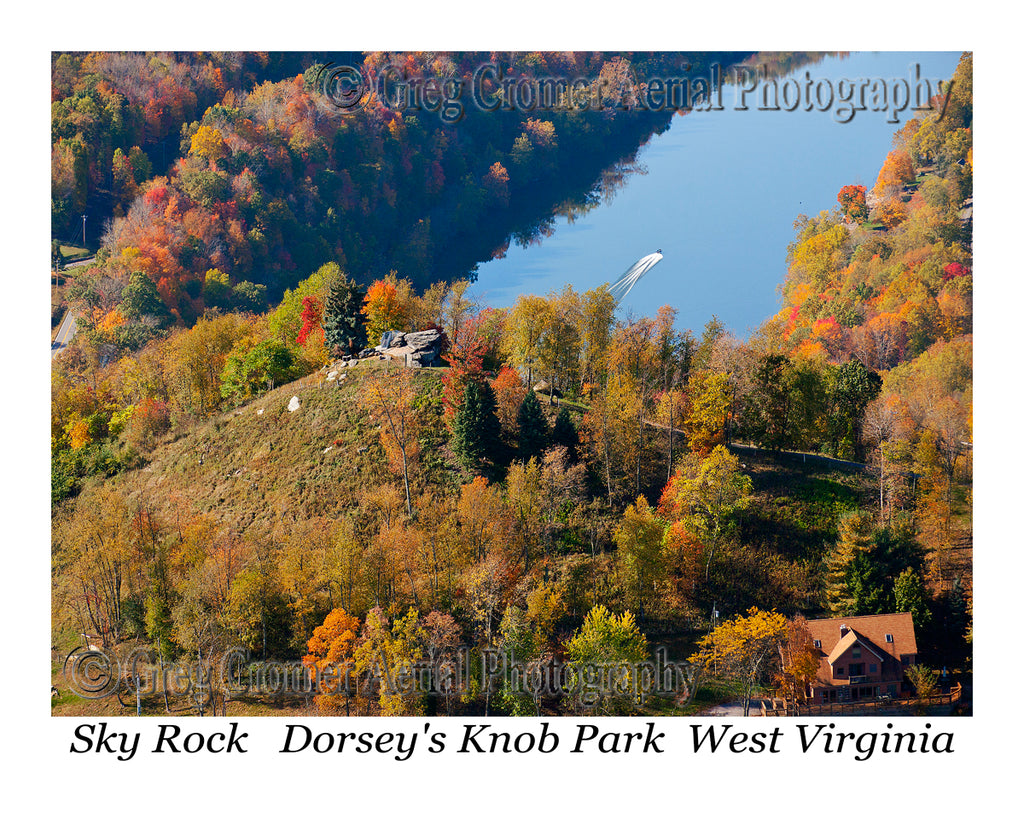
x,y
195,507
853,203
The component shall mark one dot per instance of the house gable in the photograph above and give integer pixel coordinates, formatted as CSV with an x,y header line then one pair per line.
x,y
863,650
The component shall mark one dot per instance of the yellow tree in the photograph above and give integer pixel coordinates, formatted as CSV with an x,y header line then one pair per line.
x,y
456,309
99,560
597,309
482,518
742,649
559,346
194,360
405,547
634,357
610,428
710,397
209,143
444,552
302,565
669,413
525,328
523,491
606,640
640,541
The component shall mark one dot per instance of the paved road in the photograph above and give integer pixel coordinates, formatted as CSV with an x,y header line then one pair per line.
x,y
64,334
68,325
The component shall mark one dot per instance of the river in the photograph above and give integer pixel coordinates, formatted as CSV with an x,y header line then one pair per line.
x,y
721,191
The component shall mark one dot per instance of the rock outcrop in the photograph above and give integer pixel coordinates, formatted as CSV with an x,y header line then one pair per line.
x,y
420,349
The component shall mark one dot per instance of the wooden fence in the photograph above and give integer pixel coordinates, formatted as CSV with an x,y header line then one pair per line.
x,y
781,707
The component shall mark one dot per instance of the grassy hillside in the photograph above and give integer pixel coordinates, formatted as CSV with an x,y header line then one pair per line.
x,y
263,466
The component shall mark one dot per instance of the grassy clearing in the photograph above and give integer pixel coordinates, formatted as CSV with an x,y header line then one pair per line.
x,y
74,253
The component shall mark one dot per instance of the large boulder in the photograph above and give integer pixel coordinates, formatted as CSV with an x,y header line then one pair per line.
x,y
419,349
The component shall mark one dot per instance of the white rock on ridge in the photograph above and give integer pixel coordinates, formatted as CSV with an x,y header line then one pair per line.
x,y
293,404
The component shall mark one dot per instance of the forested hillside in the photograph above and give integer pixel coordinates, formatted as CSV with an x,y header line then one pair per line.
x,y
571,484
262,183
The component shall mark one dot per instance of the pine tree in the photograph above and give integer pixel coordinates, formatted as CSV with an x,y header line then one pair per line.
x,y
533,428
343,322
855,538
564,434
911,596
476,430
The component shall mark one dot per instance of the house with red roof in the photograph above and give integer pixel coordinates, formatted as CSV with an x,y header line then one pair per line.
x,y
862,657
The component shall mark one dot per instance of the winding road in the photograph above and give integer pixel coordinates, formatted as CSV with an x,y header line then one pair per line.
x,y
68,326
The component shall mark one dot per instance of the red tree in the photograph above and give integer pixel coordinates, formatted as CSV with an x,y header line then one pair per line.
x,y
465,361
312,315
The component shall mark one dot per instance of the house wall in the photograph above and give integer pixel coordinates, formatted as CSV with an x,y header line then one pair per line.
x,y
884,669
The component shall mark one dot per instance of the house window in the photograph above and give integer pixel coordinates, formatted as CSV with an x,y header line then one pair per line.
x,y
817,643
873,668
856,669
888,638
840,670
855,653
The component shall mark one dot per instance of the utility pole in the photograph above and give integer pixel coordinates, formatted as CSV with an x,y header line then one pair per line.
x,y
83,230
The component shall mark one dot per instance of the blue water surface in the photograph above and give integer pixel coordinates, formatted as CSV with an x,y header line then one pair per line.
x,y
719,198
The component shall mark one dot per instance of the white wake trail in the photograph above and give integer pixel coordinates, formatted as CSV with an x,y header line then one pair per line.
x,y
637,271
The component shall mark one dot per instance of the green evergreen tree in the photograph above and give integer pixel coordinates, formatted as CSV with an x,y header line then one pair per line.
x,y
476,430
533,428
868,593
911,596
343,322
957,619
564,434
855,531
